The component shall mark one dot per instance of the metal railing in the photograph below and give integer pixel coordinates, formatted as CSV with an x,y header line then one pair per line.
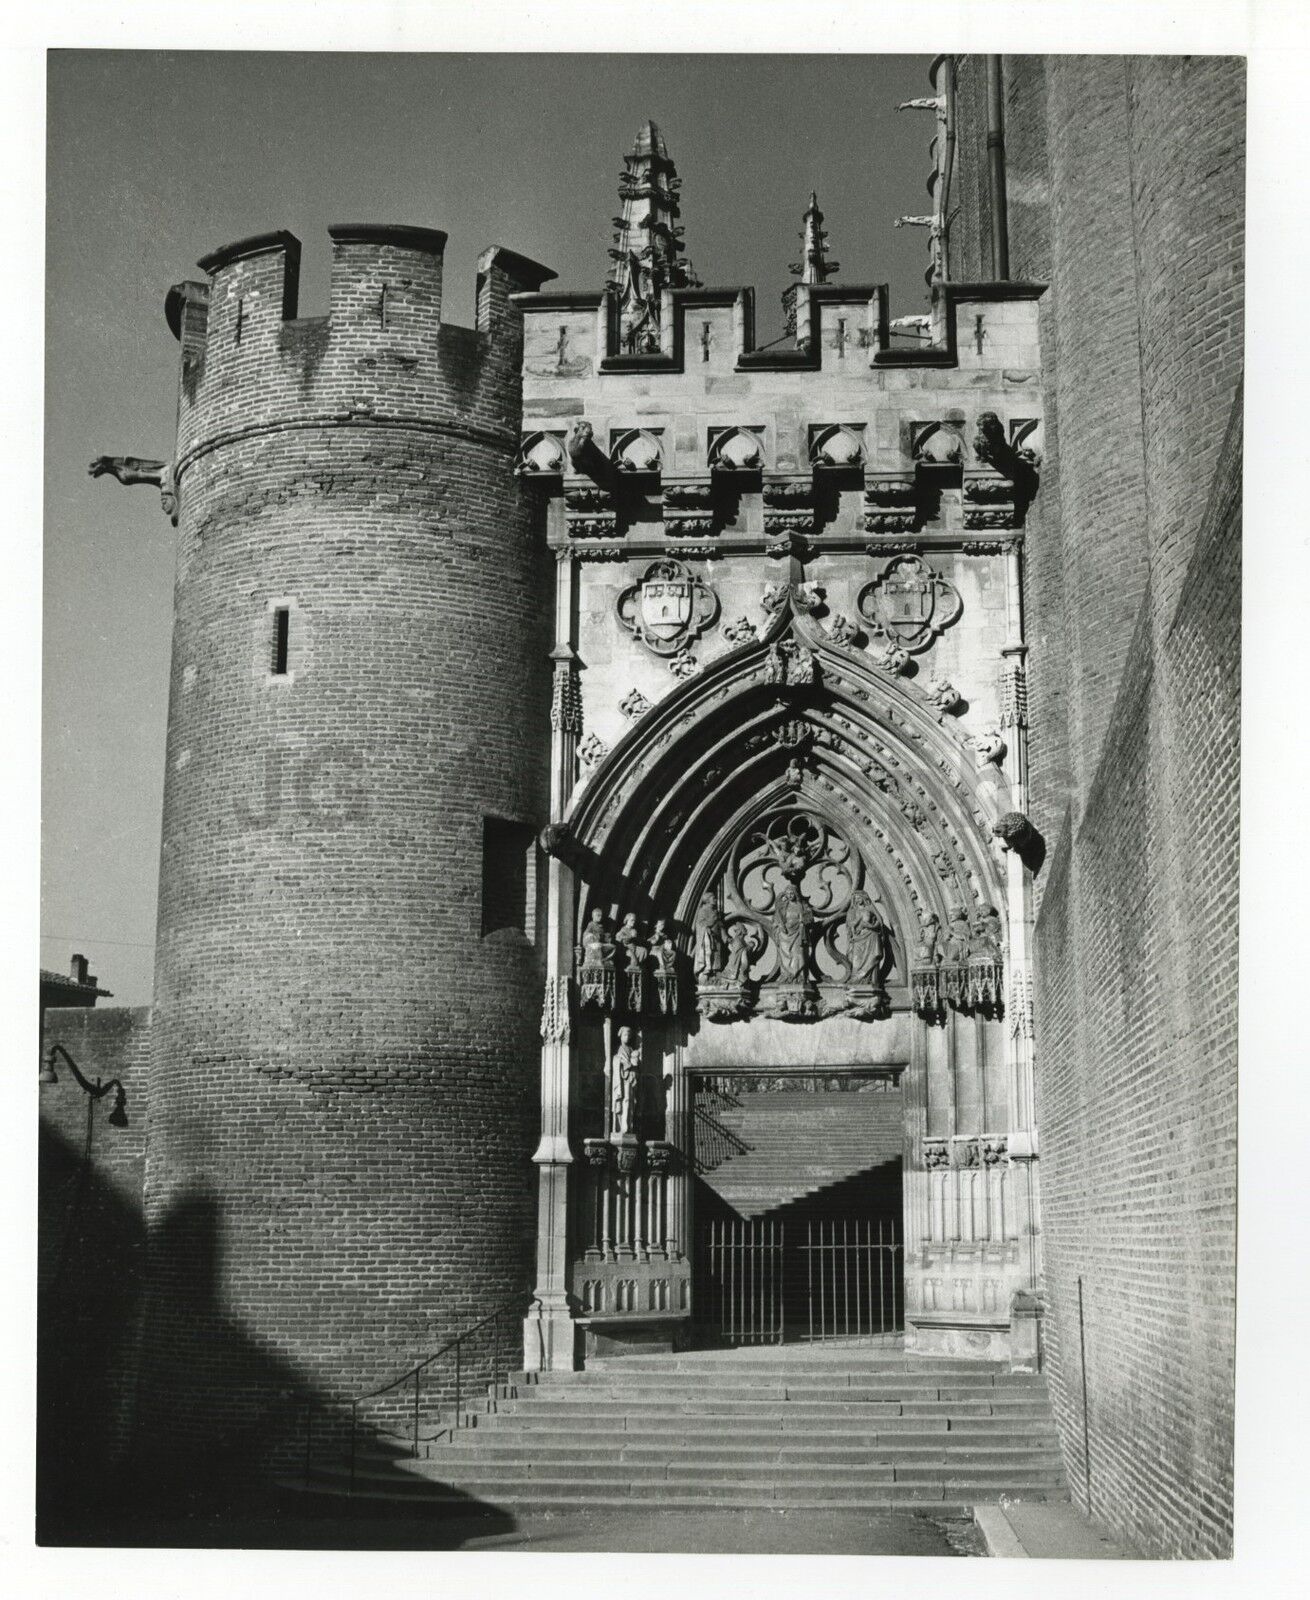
x,y
854,1278
468,1370
741,1280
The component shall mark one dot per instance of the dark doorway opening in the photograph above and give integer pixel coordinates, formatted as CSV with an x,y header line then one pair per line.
x,y
797,1205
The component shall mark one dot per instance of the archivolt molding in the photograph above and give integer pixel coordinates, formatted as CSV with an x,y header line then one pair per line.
x,y
661,810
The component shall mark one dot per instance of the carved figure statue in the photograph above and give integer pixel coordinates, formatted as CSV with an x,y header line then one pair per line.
x,y
623,1078
741,950
800,668
985,936
711,943
867,936
956,951
597,946
791,918
663,948
579,443
926,953
665,953
775,668
629,937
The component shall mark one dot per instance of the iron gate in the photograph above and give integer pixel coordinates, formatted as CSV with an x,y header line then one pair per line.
x,y
853,1277
828,1278
741,1281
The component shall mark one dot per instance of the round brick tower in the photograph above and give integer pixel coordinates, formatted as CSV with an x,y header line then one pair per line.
x,y
347,991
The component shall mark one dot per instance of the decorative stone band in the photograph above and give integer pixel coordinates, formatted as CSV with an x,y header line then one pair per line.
x,y
964,1152
972,987
655,1155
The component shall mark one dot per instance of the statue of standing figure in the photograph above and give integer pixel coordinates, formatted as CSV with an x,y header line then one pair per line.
x,y
741,951
623,1078
711,941
791,918
867,940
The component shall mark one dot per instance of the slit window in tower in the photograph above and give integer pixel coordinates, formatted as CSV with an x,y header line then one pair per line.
x,y
281,640
509,876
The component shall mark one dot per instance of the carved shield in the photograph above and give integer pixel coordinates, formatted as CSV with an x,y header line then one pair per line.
x,y
665,607
910,603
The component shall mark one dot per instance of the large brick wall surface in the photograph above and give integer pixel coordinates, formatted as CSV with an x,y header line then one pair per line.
x,y
1126,197
1126,181
90,1249
345,1068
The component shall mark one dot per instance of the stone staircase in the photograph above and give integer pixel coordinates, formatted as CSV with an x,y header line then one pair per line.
x,y
769,1151
788,1427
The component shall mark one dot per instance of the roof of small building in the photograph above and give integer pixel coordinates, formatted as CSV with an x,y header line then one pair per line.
x,y
61,980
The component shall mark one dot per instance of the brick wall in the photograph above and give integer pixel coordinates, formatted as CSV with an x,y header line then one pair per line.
x,y
90,1249
345,1068
1127,193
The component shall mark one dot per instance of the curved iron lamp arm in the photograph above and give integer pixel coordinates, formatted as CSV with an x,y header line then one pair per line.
x,y
97,1090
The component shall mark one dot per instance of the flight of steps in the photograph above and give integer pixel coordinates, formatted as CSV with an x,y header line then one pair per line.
x,y
819,1427
772,1149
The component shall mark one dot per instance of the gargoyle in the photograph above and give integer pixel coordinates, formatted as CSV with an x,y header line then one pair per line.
x,y
136,469
990,445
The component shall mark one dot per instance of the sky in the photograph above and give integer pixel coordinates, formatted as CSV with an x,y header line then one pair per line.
x,y
155,158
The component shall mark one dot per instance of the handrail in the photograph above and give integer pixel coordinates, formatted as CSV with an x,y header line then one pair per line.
x,y
510,1309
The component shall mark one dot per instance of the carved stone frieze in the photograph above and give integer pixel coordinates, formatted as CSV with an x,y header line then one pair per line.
x,y
736,450
788,493
742,631
634,704
591,752
593,525
909,603
888,522
960,968
667,608
688,524
586,497
566,698
555,1011
688,494
944,695
982,517
989,747
936,444
542,454
837,445
786,524
936,1154
791,665
1012,689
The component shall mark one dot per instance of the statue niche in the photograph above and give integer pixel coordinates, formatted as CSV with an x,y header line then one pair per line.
x,y
792,929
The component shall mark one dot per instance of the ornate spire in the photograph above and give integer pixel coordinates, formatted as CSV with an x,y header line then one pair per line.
x,y
814,265
647,242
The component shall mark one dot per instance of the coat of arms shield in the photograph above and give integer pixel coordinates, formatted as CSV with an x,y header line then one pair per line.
x,y
665,606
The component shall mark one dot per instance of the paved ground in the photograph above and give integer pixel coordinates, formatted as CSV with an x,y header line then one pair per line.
x,y
274,1523
1052,1531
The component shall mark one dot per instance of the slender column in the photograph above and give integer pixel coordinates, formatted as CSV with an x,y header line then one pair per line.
x,y
677,1131
548,1335
1022,1140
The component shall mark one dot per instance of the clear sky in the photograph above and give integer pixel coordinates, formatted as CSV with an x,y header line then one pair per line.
x,y
156,158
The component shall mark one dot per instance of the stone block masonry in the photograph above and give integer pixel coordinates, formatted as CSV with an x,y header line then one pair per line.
x,y
342,1060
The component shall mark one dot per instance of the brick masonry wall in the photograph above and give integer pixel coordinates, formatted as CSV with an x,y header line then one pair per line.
x,y
344,1098
90,1248
1136,937
1126,193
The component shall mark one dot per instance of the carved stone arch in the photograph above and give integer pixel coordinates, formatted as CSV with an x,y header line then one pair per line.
x,y
662,806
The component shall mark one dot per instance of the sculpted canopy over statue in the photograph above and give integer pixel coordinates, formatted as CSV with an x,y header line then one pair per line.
x,y
711,940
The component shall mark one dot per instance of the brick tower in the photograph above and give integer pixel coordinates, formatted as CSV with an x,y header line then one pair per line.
x,y
347,989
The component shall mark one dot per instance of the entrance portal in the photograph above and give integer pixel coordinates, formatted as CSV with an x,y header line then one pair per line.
x,y
797,1206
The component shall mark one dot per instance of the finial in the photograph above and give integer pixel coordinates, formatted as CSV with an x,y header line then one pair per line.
x,y
814,265
647,243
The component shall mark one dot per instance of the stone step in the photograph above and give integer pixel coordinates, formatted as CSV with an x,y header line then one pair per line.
x,y
603,1412
490,1446
865,1428
536,1496
951,1385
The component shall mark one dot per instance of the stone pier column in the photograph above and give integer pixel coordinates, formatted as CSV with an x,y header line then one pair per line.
x,y
549,1333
